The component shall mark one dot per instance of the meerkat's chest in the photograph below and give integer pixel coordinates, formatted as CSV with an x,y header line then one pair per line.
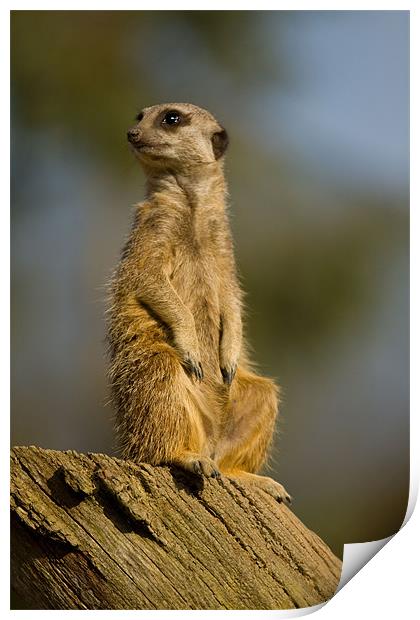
x,y
197,239
194,265
194,269
202,234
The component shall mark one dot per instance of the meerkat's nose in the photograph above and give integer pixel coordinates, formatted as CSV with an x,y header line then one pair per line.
x,y
132,135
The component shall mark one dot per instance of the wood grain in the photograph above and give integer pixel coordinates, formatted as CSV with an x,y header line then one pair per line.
x,y
94,532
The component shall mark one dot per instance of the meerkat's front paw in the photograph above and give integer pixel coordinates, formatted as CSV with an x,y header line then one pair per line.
x,y
193,367
187,347
230,345
228,373
228,361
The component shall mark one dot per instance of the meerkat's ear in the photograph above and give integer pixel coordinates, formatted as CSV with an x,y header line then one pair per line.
x,y
220,141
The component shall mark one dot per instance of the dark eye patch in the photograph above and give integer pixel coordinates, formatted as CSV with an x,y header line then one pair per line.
x,y
139,117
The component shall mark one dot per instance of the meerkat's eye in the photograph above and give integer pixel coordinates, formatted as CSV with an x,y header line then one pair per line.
x,y
171,118
139,117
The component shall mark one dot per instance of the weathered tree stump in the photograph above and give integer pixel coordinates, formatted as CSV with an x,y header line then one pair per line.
x,y
94,532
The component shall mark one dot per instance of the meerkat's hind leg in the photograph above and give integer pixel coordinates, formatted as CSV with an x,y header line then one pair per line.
x,y
242,451
196,455
266,484
162,418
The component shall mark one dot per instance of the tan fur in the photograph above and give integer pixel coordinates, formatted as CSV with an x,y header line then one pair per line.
x,y
175,317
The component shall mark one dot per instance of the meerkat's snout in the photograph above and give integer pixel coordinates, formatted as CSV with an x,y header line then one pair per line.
x,y
133,135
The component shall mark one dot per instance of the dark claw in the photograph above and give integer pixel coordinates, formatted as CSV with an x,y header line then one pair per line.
x,y
199,372
197,468
215,473
194,369
281,499
228,375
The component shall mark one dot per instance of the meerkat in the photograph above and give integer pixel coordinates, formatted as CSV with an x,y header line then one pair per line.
x,y
183,386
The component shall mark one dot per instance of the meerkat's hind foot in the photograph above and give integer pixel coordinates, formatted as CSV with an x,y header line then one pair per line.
x,y
198,464
275,489
266,484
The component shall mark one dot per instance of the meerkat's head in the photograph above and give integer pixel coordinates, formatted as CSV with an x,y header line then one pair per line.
x,y
177,136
